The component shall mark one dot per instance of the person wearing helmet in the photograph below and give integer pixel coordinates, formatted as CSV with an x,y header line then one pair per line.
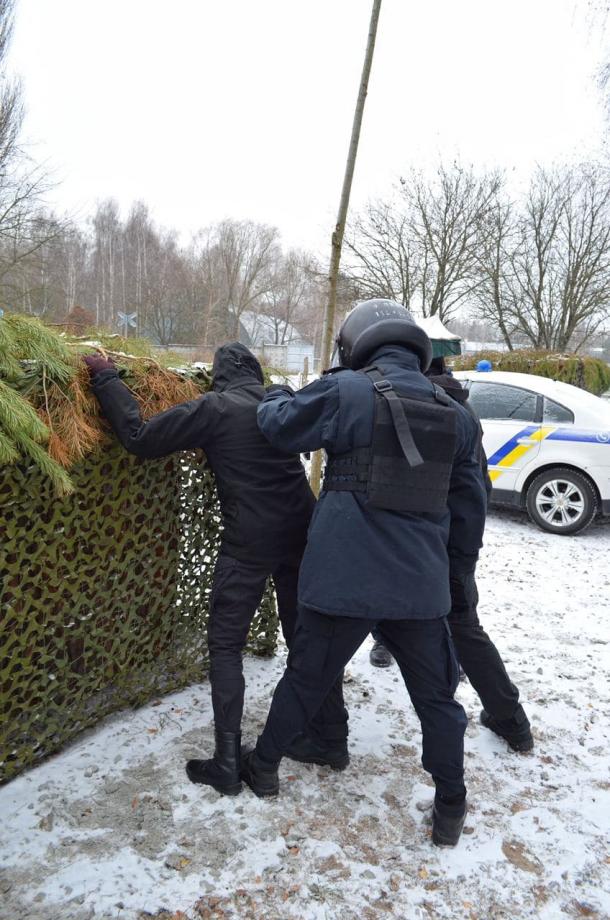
x,y
482,663
402,508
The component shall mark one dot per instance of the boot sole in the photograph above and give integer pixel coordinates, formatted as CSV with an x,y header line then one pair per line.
x,y
223,790
231,789
440,841
264,794
519,745
338,765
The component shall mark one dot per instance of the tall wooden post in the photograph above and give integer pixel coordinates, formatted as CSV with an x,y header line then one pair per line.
x,y
337,237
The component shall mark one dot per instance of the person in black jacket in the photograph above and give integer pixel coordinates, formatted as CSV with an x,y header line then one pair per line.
x,y
502,712
266,505
402,509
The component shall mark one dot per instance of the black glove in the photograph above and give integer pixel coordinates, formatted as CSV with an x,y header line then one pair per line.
x,y
96,364
280,388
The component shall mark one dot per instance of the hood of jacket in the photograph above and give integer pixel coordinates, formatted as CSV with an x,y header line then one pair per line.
x,y
450,385
235,365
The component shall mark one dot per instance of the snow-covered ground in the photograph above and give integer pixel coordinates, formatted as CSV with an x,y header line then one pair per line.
x,y
111,828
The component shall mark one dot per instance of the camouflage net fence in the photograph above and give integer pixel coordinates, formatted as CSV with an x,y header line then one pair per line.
x,y
103,594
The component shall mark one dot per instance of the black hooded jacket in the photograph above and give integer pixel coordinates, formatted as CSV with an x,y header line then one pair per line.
x,y
265,498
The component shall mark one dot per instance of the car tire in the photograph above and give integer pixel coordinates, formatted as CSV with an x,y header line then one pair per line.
x,y
561,501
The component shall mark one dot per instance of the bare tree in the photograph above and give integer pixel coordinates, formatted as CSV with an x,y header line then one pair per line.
x,y
533,259
494,295
207,289
420,247
384,259
107,242
246,252
583,260
288,294
167,290
22,184
544,269
444,219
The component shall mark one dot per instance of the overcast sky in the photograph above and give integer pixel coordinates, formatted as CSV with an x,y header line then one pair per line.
x,y
242,108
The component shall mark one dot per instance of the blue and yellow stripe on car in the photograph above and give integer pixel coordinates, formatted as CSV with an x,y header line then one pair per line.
x,y
532,435
514,448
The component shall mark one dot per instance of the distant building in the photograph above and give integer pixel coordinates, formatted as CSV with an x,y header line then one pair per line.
x,y
471,347
276,342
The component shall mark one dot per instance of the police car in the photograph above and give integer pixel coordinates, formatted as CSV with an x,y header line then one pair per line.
x,y
547,444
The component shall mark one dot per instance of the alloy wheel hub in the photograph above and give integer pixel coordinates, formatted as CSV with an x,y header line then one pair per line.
x,y
560,502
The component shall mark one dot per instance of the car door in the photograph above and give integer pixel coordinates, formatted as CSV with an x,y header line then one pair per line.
x,y
512,430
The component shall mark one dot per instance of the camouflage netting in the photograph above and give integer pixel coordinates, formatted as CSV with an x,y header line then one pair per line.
x,y
103,594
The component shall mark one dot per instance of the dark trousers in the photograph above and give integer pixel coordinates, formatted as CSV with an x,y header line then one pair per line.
x,y
237,591
478,655
323,645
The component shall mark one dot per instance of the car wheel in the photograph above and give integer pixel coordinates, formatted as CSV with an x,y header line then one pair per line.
x,y
561,501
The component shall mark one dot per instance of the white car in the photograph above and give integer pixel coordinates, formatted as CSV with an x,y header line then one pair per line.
x,y
547,445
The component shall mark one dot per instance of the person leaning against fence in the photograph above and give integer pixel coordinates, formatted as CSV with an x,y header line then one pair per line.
x,y
266,505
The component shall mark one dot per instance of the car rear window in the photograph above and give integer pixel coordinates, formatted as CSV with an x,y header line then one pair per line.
x,y
555,412
496,400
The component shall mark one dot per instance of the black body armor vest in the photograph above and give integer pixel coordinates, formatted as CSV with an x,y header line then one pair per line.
x,y
407,466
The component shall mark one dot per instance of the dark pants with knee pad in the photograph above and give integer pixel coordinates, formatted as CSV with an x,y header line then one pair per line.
x,y
237,591
323,645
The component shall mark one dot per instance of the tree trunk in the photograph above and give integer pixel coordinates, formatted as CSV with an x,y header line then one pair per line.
x,y
337,237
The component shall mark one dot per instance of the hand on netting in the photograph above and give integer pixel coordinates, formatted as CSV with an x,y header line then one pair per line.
x,y
96,364
279,388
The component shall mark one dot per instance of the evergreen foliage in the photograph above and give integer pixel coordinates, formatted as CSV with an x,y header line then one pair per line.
x,y
48,415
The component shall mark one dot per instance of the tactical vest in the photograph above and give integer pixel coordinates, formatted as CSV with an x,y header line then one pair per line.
x,y
407,466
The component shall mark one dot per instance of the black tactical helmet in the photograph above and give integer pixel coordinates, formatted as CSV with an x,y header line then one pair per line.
x,y
380,322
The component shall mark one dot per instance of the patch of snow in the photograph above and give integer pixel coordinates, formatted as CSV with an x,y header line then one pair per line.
x,y
110,827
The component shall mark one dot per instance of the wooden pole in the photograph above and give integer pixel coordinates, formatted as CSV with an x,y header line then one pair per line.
x,y
337,237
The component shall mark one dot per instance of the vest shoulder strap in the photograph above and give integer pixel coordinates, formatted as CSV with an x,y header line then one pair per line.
x,y
334,370
401,424
441,396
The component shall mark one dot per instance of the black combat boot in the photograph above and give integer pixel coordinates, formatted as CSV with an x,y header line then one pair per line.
x,y
259,775
222,771
516,731
448,817
332,754
379,656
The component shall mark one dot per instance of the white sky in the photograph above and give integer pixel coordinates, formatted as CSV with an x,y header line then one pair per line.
x,y
242,108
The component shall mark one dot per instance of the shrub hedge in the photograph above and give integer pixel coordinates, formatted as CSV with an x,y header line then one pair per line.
x,y
581,371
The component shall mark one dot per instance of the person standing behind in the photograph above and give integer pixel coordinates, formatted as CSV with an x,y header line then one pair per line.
x,y
502,712
402,508
266,506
